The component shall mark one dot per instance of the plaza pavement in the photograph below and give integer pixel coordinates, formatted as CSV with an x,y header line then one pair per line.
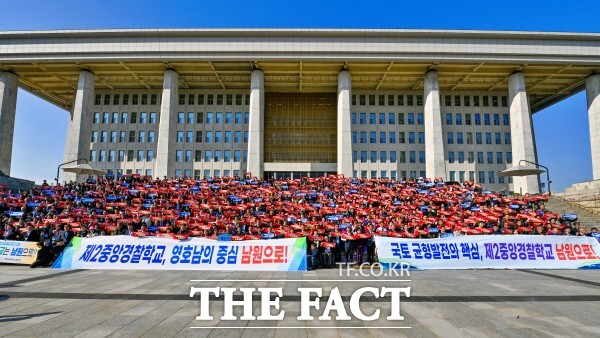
x,y
445,303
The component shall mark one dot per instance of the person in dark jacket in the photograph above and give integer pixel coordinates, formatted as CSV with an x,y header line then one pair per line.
x,y
31,235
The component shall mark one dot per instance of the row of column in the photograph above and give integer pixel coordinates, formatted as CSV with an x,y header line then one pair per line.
x,y
78,136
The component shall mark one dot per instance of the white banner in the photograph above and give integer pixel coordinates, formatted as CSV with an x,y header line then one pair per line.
x,y
491,252
17,252
160,253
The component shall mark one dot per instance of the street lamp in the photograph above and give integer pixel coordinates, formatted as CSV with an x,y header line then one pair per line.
x,y
547,173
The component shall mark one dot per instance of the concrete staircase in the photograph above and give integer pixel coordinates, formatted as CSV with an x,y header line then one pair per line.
x,y
587,218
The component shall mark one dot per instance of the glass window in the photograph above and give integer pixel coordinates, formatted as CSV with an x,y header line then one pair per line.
x,y
106,99
448,119
363,137
494,102
152,118
245,137
208,156
227,156
491,177
476,101
402,156
459,119
459,138
354,137
421,136
371,100
486,101
381,100
179,137
246,117
229,99
411,137
490,157
461,157
480,157
199,137
477,119
188,156
467,100
354,118
499,157
496,119
144,99
94,136
468,119
372,118
105,118
391,100
509,157
228,117
219,118
113,137
422,157
506,138
218,136
450,138
151,136
114,118
123,118
393,158
505,120
457,100
209,118
420,119
498,138
488,138
236,156
121,155
209,136
180,118
382,137
140,156
409,100
189,136
381,118
392,117
96,118
227,137
238,99
392,137
372,137
411,118
481,176
363,118
103,136
373,157
237,136
412,156
362,100
190,118
400,100
478,138
363,156
238,118
382,156
419,100
452,175
400,118
150,155
451,157
401,137
354,156
93,155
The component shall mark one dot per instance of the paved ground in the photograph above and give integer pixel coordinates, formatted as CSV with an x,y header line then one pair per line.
x,y
95,303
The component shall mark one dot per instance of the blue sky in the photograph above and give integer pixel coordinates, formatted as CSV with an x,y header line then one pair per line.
x,y
562,131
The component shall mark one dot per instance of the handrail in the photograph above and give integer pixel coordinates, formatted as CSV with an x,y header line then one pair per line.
x,y
596,200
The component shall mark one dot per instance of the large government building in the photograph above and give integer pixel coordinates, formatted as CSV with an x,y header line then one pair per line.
x,y
301,102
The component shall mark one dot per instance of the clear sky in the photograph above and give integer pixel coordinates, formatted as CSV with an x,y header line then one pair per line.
x,y
562,131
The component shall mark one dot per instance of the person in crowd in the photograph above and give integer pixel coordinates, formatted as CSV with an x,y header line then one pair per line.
x,y
31,235
314,257
10,234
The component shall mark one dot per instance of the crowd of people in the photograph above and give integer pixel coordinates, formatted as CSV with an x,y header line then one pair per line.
x,y
338,215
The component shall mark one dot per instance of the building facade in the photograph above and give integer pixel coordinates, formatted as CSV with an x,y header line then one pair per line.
x,y
292,103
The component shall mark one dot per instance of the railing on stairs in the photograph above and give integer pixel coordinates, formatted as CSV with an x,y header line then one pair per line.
x,y
574,199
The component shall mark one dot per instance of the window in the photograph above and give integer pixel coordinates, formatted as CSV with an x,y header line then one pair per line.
x,y
200,117
180,118
209,118
482,175
227,156
392,118
469,138
151,137
93,155
448,119
191,99
419,100
189,136
371,100
459,138
106,99
238,118
490,157
122,136
476,101
412,157
504,101
354,118
227,137
238,99
237,136
421,137
133,118
208,156
105,118
121,154
140,156
447,100
245,137
123,118
494,102
422,157
188,156
354,156
505,120
134,99
246,117
96,119
199,137
116,102
363,157
499,157
400,118
362,100
219,118
506,138
381,118
477,119
451,157
488,138
228,117
401,137
467,100
153,99
470,157
113,137
354,137
498,138
508,157
363,118
129,155
411,118
152,119
381,100
218,156
354,100
411,138
382,156
200,99
450,138
459,119
179,137
390,100
452,175
392,138
402,155
409,100
468,119
496,119
480,157
94,136
393,158
373,157
461,176
372,118
461,157
486,101
382,137
373,173
457,100
103,136
372,137
236,156
143,117
144,99
478,138
150,156
486,119
218,136
190,118
491,179
179,156
420,119
115,118
219,99
393,174
132,136
98,99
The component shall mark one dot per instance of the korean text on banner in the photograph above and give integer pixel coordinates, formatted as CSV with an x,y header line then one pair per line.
x,y
18,252
491,252
159,253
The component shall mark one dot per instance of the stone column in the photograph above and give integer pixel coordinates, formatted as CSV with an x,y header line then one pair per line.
x,y
80,125
521,129
167,129
344,124
9,85
256,128
435,159
592,88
